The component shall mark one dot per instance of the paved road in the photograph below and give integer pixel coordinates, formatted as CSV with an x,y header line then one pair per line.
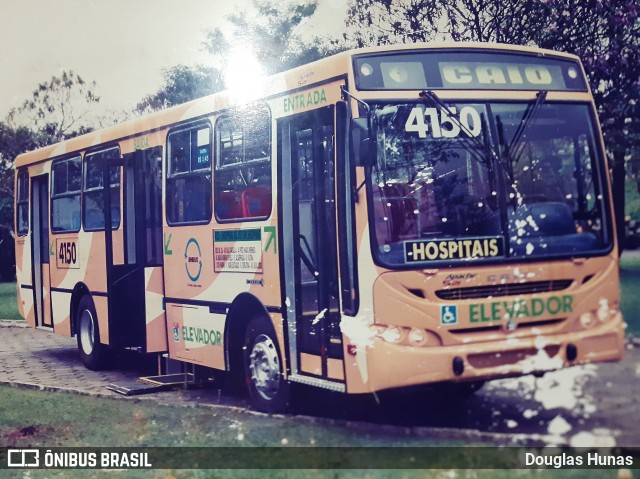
x,y
586,406
40,358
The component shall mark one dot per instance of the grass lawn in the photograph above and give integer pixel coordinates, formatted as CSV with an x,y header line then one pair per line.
x,y
8,305
72,420
630,292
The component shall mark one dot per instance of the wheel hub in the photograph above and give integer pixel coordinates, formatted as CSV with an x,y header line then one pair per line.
x,y
87,332
264,366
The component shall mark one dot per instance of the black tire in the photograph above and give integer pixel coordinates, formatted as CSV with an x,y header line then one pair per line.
x,y
263,368
94,356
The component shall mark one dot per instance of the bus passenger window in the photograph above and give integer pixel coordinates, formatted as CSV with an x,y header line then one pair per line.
x,y
189,175
65,195
93,206
243,166
22,197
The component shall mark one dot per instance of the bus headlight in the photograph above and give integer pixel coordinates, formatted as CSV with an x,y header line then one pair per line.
x,y
587,320
417,337
606,310
377,329
407,336
392,334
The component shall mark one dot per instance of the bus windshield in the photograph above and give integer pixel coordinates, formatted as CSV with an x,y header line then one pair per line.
x,y
486,181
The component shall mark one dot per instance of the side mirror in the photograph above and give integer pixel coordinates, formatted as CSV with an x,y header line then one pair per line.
x,y
361,141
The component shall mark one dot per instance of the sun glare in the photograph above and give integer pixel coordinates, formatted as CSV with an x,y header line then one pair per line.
x,y
244,75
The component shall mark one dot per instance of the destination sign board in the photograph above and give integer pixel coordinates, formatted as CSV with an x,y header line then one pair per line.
x,y
467,70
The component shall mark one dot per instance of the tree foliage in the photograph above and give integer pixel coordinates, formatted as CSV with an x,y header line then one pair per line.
x,y
269,30
13,141
371,22
182,84
58,109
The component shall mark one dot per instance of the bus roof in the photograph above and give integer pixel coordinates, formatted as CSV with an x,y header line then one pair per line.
x,y
293,79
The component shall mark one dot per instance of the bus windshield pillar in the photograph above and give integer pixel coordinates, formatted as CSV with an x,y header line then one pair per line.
x,y
345,178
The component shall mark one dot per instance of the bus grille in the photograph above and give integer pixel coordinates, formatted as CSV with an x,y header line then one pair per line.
x,y
497,290
498,328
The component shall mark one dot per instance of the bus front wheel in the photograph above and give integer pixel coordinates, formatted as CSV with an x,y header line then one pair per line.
x,y
92,353
263,368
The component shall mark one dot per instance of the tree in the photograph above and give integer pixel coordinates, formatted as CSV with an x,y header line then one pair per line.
x,y
269,31
58,109
182,84
13,141
382,22
605,34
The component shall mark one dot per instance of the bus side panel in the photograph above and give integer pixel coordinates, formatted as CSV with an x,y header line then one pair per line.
x,y
200,274
89,264
46,294
196,335
247,266
95,274
156,324
60,310
356,333
102,310
23,275
188,260
66,275
28,311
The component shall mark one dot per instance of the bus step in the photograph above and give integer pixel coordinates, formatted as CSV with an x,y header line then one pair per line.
x,y
152,384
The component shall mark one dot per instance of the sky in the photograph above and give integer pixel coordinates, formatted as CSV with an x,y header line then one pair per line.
x,y
122,45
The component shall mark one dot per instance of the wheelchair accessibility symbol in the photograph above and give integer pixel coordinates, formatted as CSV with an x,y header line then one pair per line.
x,y
449,314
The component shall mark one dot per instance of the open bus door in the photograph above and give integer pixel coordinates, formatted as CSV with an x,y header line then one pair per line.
x,y
40,250
308,236
136,317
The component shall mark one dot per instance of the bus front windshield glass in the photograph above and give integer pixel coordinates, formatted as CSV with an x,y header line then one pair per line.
x,y
485,181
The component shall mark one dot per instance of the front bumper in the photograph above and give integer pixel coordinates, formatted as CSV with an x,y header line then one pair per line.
x,y
392,366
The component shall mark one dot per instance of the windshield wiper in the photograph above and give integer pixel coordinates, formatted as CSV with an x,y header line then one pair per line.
x,y
471,142
516,147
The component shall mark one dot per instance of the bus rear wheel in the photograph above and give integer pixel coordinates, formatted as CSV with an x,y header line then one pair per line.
x,y
263,368
93,354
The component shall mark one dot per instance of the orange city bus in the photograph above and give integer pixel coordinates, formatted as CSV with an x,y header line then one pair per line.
x,y
383,218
